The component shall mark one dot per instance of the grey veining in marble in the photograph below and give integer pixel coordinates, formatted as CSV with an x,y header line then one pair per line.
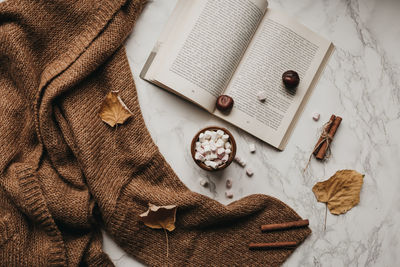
x,y
361,83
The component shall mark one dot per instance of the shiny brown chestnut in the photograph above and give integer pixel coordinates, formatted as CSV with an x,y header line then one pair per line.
x,y
290,79
224,103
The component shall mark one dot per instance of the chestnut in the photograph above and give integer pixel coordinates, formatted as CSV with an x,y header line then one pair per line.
x,y
224,103
290,79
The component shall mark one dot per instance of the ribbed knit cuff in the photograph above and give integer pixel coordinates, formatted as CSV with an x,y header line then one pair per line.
x,y
35,207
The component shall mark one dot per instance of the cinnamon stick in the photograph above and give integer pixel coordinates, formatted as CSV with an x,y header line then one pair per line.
x,y
289,244
284,226
335,125
327,128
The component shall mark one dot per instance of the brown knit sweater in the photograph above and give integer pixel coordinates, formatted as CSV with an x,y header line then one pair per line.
x,y
64,174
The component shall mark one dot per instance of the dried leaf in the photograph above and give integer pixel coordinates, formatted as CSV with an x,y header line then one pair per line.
x,y
341,192
113,111
162,217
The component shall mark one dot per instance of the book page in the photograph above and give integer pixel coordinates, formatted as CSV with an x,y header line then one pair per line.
x,y
280,44
202,49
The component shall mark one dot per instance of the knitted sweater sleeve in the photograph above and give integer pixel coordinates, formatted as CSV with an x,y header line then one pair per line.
x,y
46,207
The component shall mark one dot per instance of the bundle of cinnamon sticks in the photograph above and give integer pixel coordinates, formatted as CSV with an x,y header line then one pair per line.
x,y
325,140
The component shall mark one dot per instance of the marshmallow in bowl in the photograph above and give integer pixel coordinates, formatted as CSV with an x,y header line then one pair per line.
x,y
213,148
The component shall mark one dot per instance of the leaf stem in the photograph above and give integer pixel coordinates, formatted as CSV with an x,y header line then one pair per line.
x,y
115,137
166,238
326,214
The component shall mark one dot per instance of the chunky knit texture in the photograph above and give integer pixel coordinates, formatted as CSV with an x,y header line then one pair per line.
x,y
64,174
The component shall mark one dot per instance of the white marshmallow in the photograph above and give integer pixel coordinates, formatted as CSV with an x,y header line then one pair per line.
x,y
221,151
228,151
211,164
220,143
228,145
225,137
225,158
219,162
204,143
220,133
207,135
262,95
316,116
207,148
249,172
211,156
240,161
200,150
213,147
229,194
213,136
252,148
198,156
198,144
202,137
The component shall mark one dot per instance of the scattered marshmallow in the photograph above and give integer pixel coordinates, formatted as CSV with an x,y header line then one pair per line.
x,y
262,96
316,116
213,148
228,183
240,161
252,148
249,172
229,194
203,182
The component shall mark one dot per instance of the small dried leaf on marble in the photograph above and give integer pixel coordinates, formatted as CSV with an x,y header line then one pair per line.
x,y
341,192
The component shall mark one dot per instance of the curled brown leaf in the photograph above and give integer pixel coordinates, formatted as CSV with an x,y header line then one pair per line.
x,y
113,110
160,217
341,192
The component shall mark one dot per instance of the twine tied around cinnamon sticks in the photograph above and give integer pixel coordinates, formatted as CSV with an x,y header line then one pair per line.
x,y
322,149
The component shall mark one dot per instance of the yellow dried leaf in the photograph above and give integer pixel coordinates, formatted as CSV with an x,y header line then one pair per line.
x,y
341,192
113,111
162,217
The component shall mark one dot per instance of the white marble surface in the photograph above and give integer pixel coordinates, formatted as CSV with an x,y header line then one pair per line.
x,y
361,83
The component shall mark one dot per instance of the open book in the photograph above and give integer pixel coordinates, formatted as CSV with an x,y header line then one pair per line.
x,y
239,48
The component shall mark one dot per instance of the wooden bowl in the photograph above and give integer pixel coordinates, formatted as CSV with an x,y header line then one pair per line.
x,y
231,156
